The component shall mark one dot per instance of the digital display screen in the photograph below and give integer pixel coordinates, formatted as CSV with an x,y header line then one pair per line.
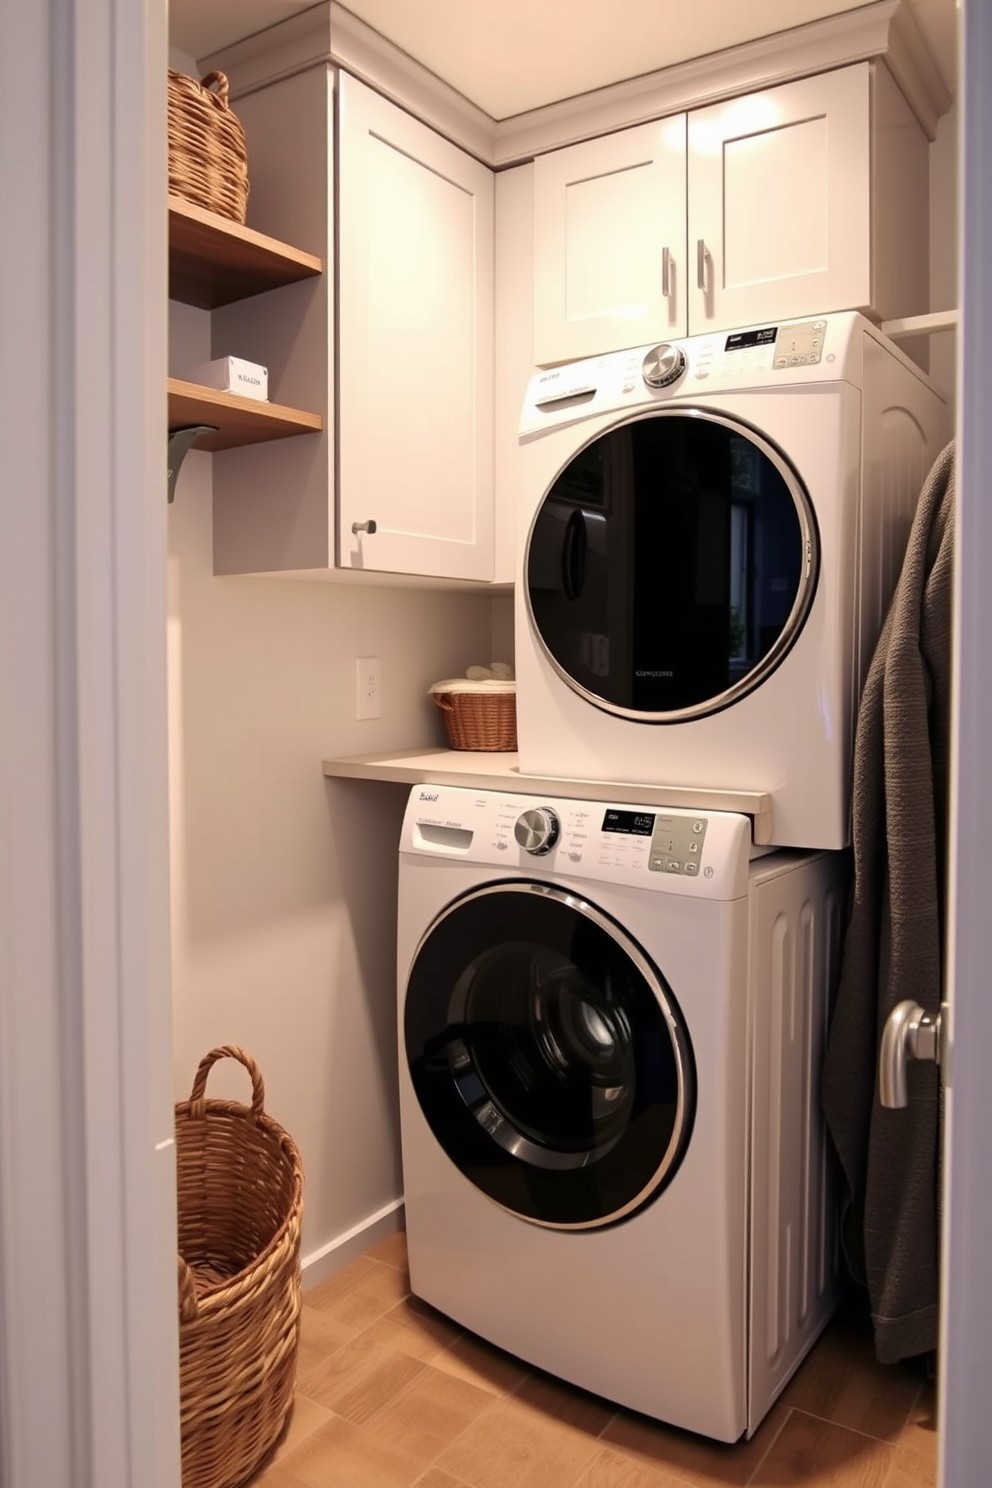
x,y
631,823
741,340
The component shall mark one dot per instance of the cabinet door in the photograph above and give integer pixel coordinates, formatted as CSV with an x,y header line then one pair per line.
x,y
415,316
609,243
779,202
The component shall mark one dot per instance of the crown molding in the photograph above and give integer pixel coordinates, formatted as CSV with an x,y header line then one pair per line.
x,y
329,35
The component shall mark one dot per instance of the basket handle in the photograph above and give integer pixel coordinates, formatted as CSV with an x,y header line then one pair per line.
x,y
445,707
223,87
188,1305
226,1051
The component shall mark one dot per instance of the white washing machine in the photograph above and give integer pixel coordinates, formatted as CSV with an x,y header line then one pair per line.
x,y
709,535
611,1024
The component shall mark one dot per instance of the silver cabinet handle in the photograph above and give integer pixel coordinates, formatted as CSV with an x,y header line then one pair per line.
x,y
666,273
369,527
701,263
909,1033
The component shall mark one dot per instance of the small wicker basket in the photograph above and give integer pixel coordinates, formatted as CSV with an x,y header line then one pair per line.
x,y
478,715
208,157
240,1207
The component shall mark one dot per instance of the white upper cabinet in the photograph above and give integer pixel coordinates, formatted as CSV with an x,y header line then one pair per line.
x,y
779,192
415,357
797,200
609,242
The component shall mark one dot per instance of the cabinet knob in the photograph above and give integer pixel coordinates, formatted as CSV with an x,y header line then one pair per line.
x,y
369,527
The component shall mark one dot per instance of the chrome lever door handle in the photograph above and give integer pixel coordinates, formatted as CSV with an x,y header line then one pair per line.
x,y
369,527
909,1033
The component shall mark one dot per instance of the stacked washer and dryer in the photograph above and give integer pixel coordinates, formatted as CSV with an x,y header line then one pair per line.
x,y
613,1001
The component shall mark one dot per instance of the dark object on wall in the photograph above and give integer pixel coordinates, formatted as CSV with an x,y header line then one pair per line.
x,y
894,948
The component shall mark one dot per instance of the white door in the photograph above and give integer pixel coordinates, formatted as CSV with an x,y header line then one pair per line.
x,y
779,221
415,328
89,1382
966,1296
609,243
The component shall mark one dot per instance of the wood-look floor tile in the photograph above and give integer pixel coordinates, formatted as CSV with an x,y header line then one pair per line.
x,y
612,1470
430,1413
919,1435
820,1454
391,1251
364,1292
416,1329
472,1359
911,1470
274,1477
543,1436
352,1456
688,1457
321,1336
361,1378
435,1478
843,1382
304,1419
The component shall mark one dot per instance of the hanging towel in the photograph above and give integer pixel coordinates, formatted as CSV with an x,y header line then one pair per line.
x,y
894,943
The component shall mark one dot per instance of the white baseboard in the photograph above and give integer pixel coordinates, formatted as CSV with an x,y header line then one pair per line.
x,y
343,1249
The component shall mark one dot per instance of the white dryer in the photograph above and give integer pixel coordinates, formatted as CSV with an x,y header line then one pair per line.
x,y
611,1025
709,535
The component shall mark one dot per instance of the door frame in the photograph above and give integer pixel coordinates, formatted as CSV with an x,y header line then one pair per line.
x,y
88,1332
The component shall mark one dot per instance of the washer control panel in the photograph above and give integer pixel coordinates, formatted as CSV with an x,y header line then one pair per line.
x,y
702,853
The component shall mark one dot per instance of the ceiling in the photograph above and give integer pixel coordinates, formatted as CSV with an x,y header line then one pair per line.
x,y
514,55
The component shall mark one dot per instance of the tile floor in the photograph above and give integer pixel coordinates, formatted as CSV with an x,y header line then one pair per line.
x,y
392,1395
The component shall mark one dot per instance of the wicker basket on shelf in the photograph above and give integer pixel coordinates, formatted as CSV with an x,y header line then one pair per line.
x,y
208,157
240,1181
478,715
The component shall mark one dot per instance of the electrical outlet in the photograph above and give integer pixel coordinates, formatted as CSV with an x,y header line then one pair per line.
x,y
368,687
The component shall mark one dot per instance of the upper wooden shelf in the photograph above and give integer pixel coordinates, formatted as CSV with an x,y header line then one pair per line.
x,y
238,420
213,261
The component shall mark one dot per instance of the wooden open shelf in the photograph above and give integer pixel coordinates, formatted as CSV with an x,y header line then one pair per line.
x,y
238,420
213,261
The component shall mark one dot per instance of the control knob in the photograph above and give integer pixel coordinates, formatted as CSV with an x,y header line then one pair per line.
x,y
537,830
663,365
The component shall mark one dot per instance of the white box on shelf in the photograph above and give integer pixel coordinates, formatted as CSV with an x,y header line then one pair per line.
x,y
234,375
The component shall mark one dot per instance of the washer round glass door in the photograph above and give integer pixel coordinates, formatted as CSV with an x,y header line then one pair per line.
x,y
671,565
548,1055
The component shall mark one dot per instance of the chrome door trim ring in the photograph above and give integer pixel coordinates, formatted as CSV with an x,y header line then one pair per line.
x,y
801,605
630,947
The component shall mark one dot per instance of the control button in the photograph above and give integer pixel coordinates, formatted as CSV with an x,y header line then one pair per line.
x,y
781,362
700,374
819,325
657,862
692,868
663,365
537,830
575,857
699,826
707,872
673,865
502,846
694,847
628,387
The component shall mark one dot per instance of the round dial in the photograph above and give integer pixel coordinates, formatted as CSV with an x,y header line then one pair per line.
x,y
663,365
537,830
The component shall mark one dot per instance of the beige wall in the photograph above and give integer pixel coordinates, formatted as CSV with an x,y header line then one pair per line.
x,y
283,882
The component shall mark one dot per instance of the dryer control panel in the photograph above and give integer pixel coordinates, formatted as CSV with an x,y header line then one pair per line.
x,y
697,853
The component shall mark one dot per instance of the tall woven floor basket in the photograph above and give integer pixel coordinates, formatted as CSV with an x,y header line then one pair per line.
x,y
240,1207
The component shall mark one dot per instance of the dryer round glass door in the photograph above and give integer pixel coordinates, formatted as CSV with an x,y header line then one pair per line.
x,y
548,1055
671,565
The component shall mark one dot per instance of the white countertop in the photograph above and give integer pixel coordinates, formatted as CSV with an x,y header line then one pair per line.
x,y
485,771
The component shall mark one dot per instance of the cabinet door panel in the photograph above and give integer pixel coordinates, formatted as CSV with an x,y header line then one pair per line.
x,y
606,212
415,345
779,202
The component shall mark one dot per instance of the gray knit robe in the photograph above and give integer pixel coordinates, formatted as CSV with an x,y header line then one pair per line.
x,y
894,943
